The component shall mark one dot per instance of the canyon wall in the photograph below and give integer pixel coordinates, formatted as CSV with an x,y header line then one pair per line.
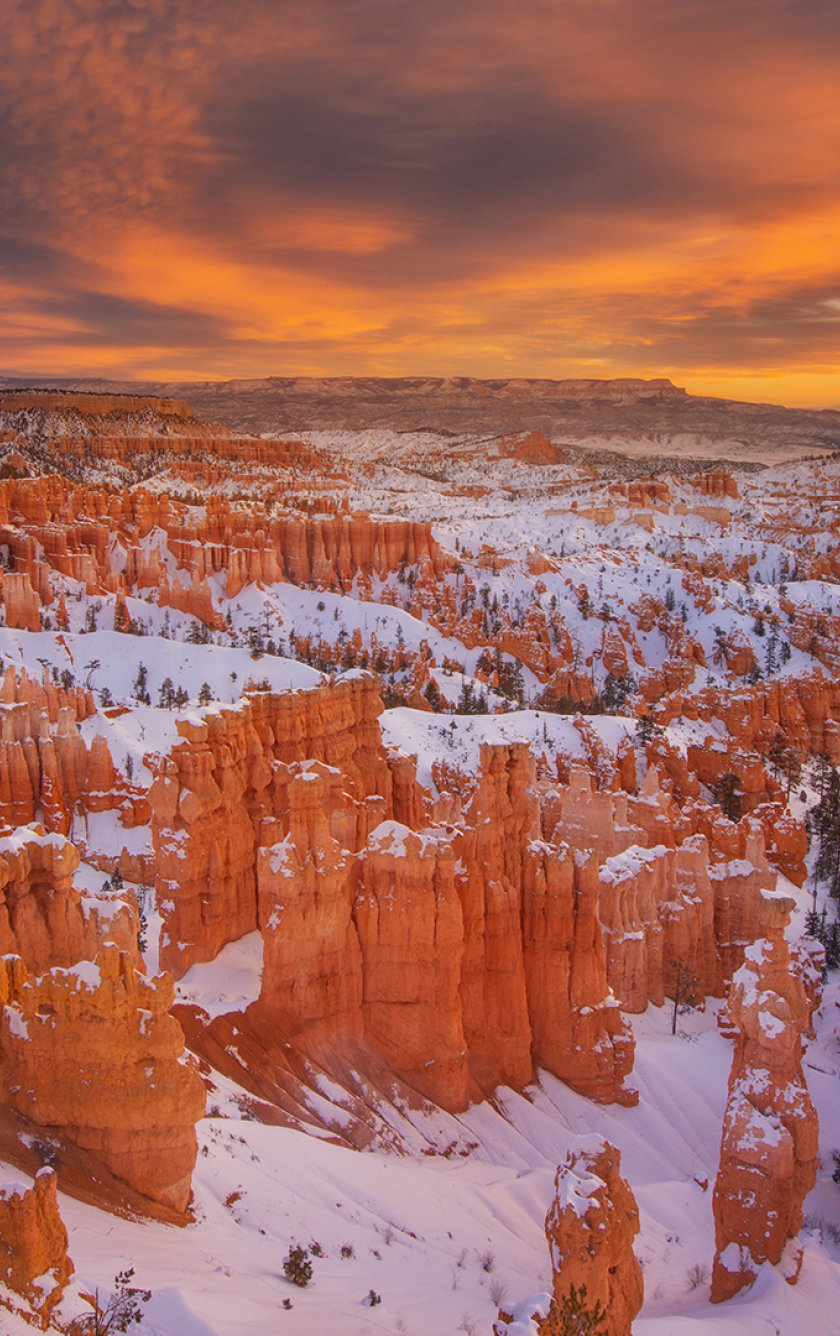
x,y
431,944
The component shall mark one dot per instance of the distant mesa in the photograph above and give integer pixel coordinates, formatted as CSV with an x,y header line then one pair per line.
x,y
88,401
651,417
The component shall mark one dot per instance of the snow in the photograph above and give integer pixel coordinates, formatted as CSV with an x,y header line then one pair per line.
x,y
422,1229
229,983
440,1237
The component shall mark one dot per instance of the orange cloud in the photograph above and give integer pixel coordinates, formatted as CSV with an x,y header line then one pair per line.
x,y
619,187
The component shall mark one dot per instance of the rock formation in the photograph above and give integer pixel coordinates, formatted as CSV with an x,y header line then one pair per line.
x,y
458,954
43,917
590,1227
410,924
33,1243
768,1156
229,773
92,1050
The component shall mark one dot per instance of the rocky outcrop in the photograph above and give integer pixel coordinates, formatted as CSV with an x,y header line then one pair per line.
x,y
103,540
230,772
93,1052
33,1243
458,954
768,1157
47,770
590,1227
20,601
43,917
499,822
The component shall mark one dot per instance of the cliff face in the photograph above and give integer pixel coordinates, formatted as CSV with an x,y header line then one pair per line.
x,y
110,550
312,975
46,768
579,1032
92,1051
410,924
768,1156
430,945
497,826
228,774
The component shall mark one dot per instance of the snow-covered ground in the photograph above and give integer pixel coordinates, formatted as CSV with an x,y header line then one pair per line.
x,y
445,1241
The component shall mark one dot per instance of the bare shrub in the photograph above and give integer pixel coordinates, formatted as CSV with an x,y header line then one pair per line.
x,y
697,1275
498,1291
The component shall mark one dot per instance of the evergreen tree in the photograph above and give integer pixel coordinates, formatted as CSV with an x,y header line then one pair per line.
x,y
824,825
574,1316
727,794
433,696
140,689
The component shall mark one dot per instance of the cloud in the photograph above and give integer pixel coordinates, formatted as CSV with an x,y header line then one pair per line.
x,y
541,182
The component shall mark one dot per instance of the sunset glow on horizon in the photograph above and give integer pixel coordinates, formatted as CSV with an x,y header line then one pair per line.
x,y
193,191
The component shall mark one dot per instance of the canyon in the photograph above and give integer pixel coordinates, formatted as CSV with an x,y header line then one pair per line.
x,y
413,792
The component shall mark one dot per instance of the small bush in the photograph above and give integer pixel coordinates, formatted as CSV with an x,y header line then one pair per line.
x,y
347,1250
297,1267
372,1299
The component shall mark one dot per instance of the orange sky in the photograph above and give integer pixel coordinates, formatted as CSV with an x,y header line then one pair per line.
x,y
195,190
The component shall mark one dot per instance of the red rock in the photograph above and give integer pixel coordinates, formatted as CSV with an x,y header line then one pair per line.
x,y
590,1228
42,918
408,916
33,1242
91,1050
579,1033
312,975
228,774
498,823
768,1158
21,602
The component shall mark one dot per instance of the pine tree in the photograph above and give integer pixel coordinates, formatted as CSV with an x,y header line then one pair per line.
x,y
140,689
824,823
574,1317
727,794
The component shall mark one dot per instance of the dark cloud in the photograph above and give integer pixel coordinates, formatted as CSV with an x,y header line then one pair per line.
x,y
94,318
182,174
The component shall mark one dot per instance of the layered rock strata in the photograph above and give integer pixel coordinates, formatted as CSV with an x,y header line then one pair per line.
x,y
230,773
427,944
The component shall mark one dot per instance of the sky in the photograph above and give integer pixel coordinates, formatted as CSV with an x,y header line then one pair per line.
x,y
192,190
